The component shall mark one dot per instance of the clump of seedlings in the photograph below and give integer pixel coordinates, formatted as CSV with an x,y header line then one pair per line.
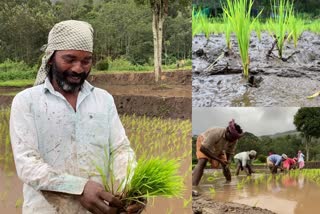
x,y
238,13
151,177
282,26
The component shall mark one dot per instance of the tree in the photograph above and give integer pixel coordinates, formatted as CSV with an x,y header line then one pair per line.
x,y
159,12
307,121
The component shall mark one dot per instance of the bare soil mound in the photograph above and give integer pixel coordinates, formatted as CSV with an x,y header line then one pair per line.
x,y
203,205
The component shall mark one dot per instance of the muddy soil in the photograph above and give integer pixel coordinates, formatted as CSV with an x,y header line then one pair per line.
x,y
204,205
171,78
217,78
137,93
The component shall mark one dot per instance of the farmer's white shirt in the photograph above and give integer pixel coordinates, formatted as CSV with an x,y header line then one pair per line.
x,y
56,149
243,157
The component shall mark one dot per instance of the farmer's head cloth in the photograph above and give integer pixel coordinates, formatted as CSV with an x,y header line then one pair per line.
x,y
233,131
65,35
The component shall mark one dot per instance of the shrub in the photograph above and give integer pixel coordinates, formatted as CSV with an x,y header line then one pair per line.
x,y
262,158
103,65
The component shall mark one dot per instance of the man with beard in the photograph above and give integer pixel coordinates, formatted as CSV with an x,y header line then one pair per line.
x,y
216,145
61,128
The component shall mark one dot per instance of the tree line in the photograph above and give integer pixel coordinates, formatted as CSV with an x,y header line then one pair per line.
x,y
122,29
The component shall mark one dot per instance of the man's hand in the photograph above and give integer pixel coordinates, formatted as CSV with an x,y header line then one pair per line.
x,y
96,200
135,208
223,162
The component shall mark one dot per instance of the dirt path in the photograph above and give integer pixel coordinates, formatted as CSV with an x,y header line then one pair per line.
x,y
203,205
284,83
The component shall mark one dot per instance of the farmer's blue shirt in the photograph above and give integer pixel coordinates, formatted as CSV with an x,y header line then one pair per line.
x,y
276,159
56,149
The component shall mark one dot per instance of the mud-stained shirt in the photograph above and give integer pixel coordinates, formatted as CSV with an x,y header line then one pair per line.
x,y
57,149
215,141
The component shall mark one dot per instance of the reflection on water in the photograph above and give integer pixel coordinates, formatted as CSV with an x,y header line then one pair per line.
x,y
285,194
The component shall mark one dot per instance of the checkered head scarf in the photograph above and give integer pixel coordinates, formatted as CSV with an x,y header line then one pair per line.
x,y
65,35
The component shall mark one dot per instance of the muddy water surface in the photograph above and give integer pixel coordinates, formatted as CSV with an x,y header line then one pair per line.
x,y
281,194
217,78
11,197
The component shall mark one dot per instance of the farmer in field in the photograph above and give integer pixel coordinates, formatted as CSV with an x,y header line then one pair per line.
x,y
275,161
243,161
300,159
60,128
216,145
289,164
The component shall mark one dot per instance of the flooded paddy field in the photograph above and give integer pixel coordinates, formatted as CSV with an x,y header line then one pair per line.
x,y
217,72
148,136
286,193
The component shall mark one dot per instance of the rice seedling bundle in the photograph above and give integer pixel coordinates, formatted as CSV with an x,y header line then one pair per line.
x,y
152,177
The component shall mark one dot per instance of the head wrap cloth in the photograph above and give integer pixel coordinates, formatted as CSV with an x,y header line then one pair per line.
x,y
233,131
65,35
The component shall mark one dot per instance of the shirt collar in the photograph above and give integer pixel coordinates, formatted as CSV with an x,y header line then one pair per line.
x,y
86,87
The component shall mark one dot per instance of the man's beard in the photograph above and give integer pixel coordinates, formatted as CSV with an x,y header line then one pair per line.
x,y
61,77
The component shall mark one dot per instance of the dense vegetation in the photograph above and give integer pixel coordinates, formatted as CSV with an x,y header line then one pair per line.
x,y
122,29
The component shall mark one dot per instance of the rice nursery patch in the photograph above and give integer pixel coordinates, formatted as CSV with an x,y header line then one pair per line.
x,y
164,138
6,157
154,140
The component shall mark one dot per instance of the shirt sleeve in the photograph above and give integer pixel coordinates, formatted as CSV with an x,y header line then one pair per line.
x,y
30,166
122,155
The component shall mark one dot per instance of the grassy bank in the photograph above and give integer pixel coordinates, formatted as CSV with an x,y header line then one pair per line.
x,y
19,74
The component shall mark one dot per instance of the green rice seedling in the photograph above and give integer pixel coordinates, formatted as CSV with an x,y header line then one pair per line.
x,y
212,190
238,12
280,23
296,26
19,202
155,177
210,179
228,30
258,28
200,23
187,202
152,177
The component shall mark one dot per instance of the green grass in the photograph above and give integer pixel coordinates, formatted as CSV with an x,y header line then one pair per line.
x,y
17,83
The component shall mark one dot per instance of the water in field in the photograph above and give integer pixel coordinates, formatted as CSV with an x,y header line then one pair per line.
x,y
148,136
283,194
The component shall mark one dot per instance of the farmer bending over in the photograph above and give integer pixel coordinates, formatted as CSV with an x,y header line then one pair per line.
x,y
211,146
243,161
289,164
274,162
60,127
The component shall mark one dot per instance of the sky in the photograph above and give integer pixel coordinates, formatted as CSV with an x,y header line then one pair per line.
x,y
256,120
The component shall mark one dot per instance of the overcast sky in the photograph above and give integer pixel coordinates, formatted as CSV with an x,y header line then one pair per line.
x,y
258,121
